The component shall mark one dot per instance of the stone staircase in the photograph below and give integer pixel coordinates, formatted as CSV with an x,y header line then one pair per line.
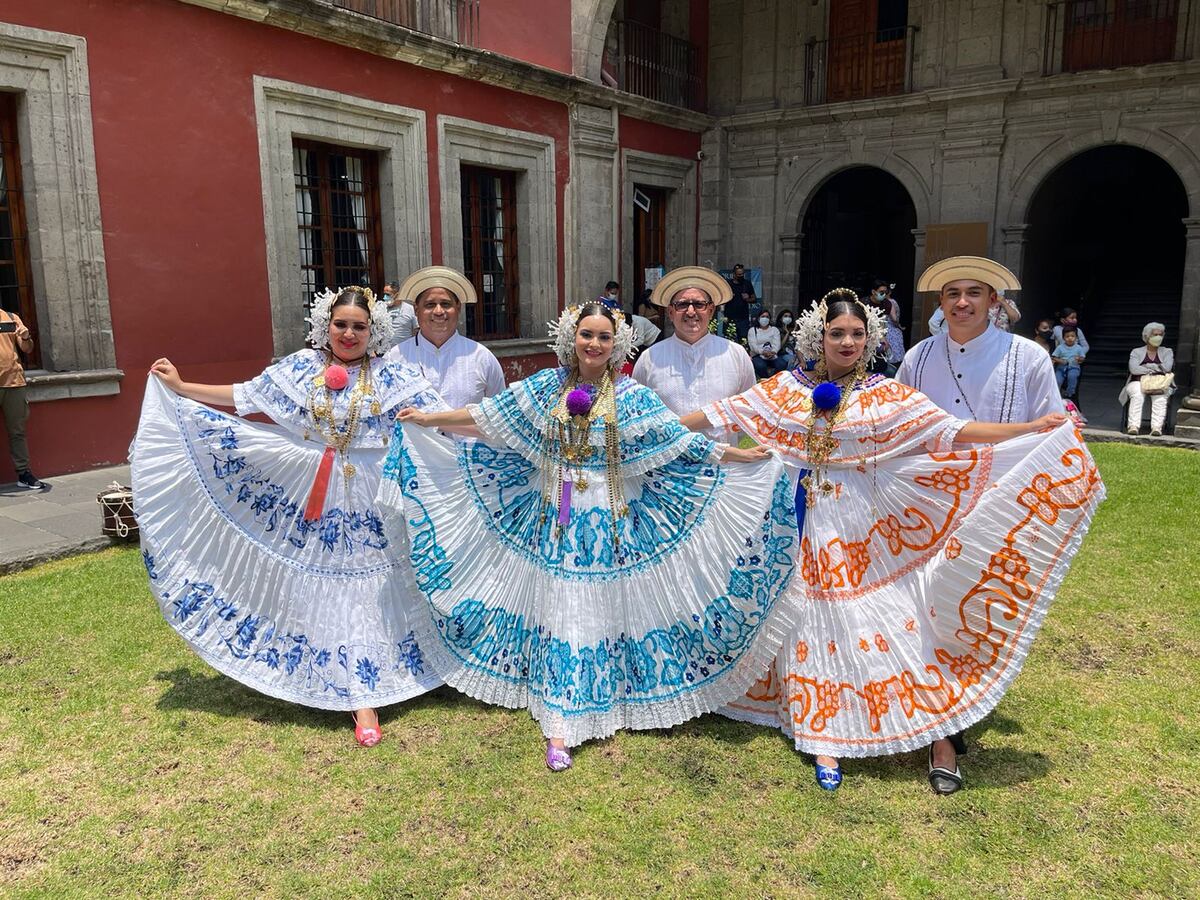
x,y
1113,322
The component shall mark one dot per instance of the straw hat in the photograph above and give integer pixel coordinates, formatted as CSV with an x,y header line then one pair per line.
x,y
437,276
974,268
685,277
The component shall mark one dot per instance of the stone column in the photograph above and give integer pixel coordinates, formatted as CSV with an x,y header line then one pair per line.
x,y
921,310
1015,239
592,203
787,278
1187,352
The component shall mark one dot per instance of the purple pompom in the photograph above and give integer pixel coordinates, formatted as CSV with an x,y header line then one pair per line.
x,y
579,402
826,395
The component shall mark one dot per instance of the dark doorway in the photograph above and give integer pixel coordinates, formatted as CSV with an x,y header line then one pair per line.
x,y
858,227
1106,237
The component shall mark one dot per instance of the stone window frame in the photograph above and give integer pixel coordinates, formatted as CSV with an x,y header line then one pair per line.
x,y
678,176
49,70
285,110
531,155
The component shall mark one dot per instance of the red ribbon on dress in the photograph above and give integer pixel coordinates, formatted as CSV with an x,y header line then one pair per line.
x,y
316,497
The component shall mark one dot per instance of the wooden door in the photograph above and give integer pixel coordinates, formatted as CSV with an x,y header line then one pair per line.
x,y
866,56
846,70
1100,34
649,234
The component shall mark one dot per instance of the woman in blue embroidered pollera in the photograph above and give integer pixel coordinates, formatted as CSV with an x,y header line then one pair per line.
x,y
590,559
262,543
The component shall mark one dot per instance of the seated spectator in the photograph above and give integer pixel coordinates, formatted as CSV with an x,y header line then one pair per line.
x,y
1155,360
1068,357
785,321
765,342
1068,318
1044,335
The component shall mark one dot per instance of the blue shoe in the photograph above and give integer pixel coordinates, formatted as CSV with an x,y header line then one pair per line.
x,y
829,778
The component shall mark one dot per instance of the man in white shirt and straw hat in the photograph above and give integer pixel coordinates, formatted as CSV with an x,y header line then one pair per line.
x,y
462,370
693,368
978,372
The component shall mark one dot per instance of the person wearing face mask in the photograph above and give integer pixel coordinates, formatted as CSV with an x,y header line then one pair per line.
x,y
1147,367
893,345
645,331
1069,318
1044,335
785,321
766,345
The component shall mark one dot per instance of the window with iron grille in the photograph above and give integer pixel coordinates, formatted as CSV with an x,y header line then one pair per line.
x,y
489,203
16,288
337,215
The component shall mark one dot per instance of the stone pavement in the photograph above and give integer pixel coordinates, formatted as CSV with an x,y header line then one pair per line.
x,y
39,525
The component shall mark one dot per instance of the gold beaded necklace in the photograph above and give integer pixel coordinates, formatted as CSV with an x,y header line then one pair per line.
x,y
820,445
321,415
571,435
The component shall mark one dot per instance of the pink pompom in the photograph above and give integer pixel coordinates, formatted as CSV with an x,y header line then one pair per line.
x,y
336,377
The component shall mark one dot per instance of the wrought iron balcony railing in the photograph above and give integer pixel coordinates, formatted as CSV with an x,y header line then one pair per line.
x,y
1108,34
452,20
856,67
657,66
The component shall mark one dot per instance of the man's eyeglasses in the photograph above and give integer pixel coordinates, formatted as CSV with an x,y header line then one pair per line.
x,y
682,305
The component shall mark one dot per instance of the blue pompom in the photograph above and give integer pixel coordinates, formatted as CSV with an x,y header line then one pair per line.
x,y
826,395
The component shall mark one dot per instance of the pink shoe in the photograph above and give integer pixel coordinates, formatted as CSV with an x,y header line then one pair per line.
x,y
557,758
368,735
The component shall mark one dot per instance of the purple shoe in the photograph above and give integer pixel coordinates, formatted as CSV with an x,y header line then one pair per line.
x,y
557,758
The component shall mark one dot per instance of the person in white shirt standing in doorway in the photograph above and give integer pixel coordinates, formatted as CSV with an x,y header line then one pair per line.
x,y
693,368
462,370
977,372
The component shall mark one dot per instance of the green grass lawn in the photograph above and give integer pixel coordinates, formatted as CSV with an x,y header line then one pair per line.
x,y
127,767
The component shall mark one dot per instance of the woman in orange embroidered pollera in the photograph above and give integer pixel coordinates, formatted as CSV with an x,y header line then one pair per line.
x,y
926,569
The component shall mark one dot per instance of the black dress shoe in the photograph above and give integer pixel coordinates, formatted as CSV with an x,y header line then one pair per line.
x,y
943,781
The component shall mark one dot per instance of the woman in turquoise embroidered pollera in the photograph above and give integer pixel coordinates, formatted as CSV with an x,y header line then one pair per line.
x,y
590,559
262,544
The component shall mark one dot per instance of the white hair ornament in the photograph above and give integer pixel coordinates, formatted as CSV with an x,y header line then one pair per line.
x,y
379,318
562,334
808,336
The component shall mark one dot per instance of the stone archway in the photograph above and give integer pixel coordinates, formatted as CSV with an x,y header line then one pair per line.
x,y
1106,236
589,26
855,226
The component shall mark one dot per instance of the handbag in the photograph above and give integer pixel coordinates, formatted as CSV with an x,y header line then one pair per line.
x,y
1157,384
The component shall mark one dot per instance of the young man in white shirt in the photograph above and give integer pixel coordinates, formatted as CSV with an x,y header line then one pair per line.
x,y
976,371
462,370
692,367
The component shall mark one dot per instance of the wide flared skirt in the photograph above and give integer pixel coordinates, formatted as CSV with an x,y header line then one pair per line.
x,y
592,634
288,607
923,586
